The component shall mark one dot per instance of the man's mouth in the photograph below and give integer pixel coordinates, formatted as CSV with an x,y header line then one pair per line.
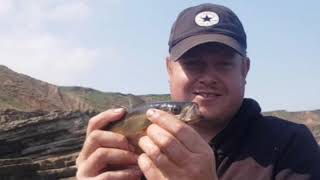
x,y
206,94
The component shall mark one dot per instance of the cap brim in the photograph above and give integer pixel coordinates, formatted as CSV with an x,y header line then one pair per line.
x,y
183,46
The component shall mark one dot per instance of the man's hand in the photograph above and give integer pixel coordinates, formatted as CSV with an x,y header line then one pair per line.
x,y
174,150
106,155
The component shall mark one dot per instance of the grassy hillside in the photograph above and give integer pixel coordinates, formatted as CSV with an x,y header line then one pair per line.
x,y
21,92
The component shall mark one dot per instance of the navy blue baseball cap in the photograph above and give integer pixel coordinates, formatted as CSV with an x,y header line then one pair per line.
x,y
206,23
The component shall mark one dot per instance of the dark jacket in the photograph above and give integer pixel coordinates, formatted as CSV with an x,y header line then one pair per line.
x,y
255,147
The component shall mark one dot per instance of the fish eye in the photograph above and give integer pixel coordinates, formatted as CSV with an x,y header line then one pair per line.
x,y
176,109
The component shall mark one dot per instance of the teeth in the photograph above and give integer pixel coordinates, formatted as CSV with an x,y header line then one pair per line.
x,y
205,94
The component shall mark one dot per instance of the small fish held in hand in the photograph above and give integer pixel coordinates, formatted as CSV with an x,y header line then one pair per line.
x,y
134,123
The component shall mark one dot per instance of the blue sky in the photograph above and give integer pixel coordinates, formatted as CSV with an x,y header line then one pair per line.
x,y
120,46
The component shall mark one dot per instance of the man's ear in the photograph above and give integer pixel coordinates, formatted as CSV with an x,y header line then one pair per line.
x,y
245,66
169,66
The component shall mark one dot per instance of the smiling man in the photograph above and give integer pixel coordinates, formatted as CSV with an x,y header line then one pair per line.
x,y
208,65
212,75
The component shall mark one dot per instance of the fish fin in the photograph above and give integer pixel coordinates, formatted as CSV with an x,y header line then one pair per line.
x,y
134,100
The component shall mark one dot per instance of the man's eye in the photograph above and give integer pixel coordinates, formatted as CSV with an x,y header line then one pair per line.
x,y
225,64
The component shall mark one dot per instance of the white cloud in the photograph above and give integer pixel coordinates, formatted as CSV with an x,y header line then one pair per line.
x,y
47,58
71,11
6,6
27,47
37,14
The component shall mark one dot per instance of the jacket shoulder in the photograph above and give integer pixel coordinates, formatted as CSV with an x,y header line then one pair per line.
x,y
279,133
292,145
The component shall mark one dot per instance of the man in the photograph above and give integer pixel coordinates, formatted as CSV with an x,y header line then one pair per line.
x,y
208,65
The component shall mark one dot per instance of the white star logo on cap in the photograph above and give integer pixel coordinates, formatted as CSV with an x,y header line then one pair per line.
x,y
206,18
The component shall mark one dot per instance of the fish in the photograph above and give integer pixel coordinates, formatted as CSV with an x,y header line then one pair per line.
x,y
134,123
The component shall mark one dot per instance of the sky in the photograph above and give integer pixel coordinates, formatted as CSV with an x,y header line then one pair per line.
x,y
121,46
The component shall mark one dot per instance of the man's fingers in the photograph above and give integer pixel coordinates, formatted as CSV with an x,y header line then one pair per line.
x,y
132,174
102,157
152,150
158,158
101,120
184,133
168,144
148,168
100,138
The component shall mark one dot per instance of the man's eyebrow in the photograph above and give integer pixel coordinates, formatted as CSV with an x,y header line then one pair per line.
x,y
190,57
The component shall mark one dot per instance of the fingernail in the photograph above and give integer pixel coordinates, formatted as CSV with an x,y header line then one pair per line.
x,y
152,113
118,110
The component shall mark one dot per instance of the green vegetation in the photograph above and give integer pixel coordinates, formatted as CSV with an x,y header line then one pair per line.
x,y
9,102
156,97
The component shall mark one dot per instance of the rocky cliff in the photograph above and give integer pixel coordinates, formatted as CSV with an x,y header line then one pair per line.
x,y
18,91
42,126
40,145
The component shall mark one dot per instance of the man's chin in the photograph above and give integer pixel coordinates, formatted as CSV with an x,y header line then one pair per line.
x,y
210,113
207,114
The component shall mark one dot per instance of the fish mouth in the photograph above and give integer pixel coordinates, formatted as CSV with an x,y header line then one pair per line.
x,y
192,114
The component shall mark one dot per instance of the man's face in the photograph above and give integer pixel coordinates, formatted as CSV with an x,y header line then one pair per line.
x,y
211,75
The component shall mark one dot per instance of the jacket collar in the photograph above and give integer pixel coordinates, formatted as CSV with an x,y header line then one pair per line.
x,y
227,139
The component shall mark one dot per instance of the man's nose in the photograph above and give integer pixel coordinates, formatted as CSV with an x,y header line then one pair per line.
x,y
209,76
